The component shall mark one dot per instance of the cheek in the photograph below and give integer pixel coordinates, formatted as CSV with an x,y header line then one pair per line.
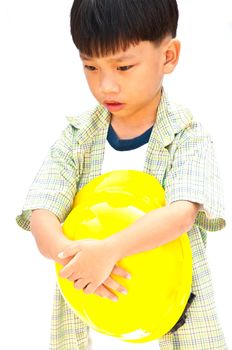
x,y
89,80
93,85
146,85
149,77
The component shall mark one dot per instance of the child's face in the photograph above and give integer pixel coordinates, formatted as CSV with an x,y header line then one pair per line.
x,y
134,81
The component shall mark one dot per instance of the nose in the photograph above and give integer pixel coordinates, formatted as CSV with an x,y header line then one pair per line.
x,y
108,85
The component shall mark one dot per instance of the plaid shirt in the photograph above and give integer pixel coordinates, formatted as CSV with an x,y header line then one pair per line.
x,y
180,155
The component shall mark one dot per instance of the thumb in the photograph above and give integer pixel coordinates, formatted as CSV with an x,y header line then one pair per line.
x,y
69,251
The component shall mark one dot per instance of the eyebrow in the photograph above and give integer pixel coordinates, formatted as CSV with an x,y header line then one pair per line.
x,y
116,59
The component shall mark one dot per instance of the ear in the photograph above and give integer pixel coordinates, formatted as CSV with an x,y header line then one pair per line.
x,y
171,55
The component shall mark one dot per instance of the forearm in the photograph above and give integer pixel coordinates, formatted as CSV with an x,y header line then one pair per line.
x,y
48,234
155,228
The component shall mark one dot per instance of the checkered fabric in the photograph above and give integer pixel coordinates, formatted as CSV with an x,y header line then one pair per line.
x,y
180,155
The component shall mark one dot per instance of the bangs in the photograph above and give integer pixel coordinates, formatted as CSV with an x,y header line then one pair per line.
x,y
103,27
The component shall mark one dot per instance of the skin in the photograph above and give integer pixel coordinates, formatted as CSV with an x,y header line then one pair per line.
x,y
136,82
139,87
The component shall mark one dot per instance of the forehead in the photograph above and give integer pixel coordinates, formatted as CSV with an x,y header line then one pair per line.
x,y
112,58
133,52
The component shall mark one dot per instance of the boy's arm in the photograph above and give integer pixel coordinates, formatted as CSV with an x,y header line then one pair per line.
x,y
50,239
48,234
155,228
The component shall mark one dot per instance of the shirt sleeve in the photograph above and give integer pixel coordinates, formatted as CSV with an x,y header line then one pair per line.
x,y
194,176
54,186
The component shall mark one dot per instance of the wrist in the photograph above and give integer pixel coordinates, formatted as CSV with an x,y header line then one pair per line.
x,y
114,246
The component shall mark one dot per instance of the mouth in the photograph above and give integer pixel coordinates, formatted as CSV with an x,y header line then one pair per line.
x,y
114,106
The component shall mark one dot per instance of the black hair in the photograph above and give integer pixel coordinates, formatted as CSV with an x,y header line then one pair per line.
x,y
100,27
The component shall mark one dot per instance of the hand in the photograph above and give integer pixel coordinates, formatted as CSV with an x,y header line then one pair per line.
x,y
103,291
92,263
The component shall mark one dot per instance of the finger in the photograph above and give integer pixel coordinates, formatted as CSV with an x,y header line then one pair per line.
x,y
64,262
74,277
103,292
69,251
90,288
81,283
75,274
67,271
111,283
117,270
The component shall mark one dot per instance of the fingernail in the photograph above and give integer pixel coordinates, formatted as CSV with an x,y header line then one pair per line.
x,y
114,298
61,255
124,291
128,276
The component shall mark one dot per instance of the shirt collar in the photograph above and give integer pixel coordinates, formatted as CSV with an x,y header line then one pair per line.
x,y
171,119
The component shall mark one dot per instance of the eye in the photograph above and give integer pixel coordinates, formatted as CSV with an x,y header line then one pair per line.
x,y
90,67
124,68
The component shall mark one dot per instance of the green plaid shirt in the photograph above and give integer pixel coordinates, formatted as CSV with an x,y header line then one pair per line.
x,y
180,155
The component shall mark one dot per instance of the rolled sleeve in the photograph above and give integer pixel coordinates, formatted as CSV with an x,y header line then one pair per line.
x,y
194,176
54,186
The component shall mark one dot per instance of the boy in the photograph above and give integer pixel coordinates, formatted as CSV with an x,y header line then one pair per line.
x,y
127,47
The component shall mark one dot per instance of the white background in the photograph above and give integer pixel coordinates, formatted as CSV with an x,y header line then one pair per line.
x,y
41,82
